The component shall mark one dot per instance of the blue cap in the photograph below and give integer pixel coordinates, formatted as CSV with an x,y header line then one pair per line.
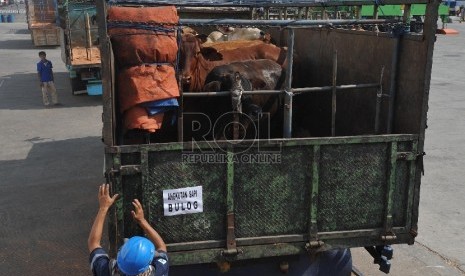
x,y
135,255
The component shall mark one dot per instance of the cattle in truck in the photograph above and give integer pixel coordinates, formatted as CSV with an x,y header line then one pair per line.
x,y
252,114
197,61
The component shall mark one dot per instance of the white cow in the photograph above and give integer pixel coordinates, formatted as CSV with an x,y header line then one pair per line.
x,y
230,33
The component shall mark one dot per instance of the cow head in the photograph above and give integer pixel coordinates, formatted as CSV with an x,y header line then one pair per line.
x,y
190,49
193,57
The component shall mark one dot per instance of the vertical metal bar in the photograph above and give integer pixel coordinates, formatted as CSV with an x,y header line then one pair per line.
x,y
68,33
411,185
230,234
393,85
280,13
429,34
375,16
391,186
230,181
181,92
235,128
144,168
119,209
313,225
406,17
109,129
287,127
299,13
334,97
88,37
379,97
358,10
267,13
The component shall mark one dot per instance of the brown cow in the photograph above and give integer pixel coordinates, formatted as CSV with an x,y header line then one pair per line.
x,y
197,61
261,74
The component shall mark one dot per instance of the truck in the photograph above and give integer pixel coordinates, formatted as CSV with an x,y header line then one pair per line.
x,y
41,16
343,172
79,46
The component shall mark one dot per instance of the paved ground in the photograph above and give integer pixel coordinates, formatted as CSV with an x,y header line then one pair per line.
x,y
51,163
439,248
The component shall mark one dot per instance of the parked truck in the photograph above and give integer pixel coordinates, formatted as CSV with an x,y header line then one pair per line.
x,y
42,22
79,46
343,172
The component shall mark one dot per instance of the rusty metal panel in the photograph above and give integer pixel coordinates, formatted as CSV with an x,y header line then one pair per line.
x,y
356,109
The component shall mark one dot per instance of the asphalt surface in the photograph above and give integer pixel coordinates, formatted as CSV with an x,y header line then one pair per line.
x,y
51,164
440,245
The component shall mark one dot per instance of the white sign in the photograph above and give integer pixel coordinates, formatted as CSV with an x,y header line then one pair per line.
x,y
183,201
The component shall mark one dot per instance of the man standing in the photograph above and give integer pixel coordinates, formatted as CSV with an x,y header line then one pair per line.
x,y
138,256
45,73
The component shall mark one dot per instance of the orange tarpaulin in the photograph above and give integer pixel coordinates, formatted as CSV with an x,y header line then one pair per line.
x,y
133,45
137,118
146,83
138,36
166,14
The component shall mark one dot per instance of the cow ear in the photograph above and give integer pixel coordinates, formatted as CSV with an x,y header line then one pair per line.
x,y
213,86
211,53
202,38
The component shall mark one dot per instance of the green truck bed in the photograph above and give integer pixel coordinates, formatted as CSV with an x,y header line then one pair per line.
x,y
353,182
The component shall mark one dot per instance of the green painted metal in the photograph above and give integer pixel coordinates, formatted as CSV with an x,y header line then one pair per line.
x,y
268,143
397,10
248,252
313,229
391,185
324,189
411,186
383,11
343,191
230,183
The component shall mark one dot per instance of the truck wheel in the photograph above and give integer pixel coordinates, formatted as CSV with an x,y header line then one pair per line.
x,y
77,85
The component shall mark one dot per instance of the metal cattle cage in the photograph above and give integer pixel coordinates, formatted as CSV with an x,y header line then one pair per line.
x,y
354,183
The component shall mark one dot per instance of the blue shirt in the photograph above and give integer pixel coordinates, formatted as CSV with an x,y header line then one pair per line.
x,y
100,263
45,70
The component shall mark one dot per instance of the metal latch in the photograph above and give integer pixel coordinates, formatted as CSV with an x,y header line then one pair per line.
x,y
388,237
409,156
313,245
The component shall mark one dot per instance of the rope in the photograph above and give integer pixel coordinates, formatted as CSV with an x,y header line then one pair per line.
x,y
140,26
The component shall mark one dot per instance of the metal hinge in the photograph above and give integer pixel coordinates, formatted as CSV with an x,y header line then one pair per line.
x,y
409,156
231,249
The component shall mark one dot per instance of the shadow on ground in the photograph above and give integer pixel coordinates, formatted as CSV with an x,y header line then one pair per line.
x,y
51,203
21,44
21,91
